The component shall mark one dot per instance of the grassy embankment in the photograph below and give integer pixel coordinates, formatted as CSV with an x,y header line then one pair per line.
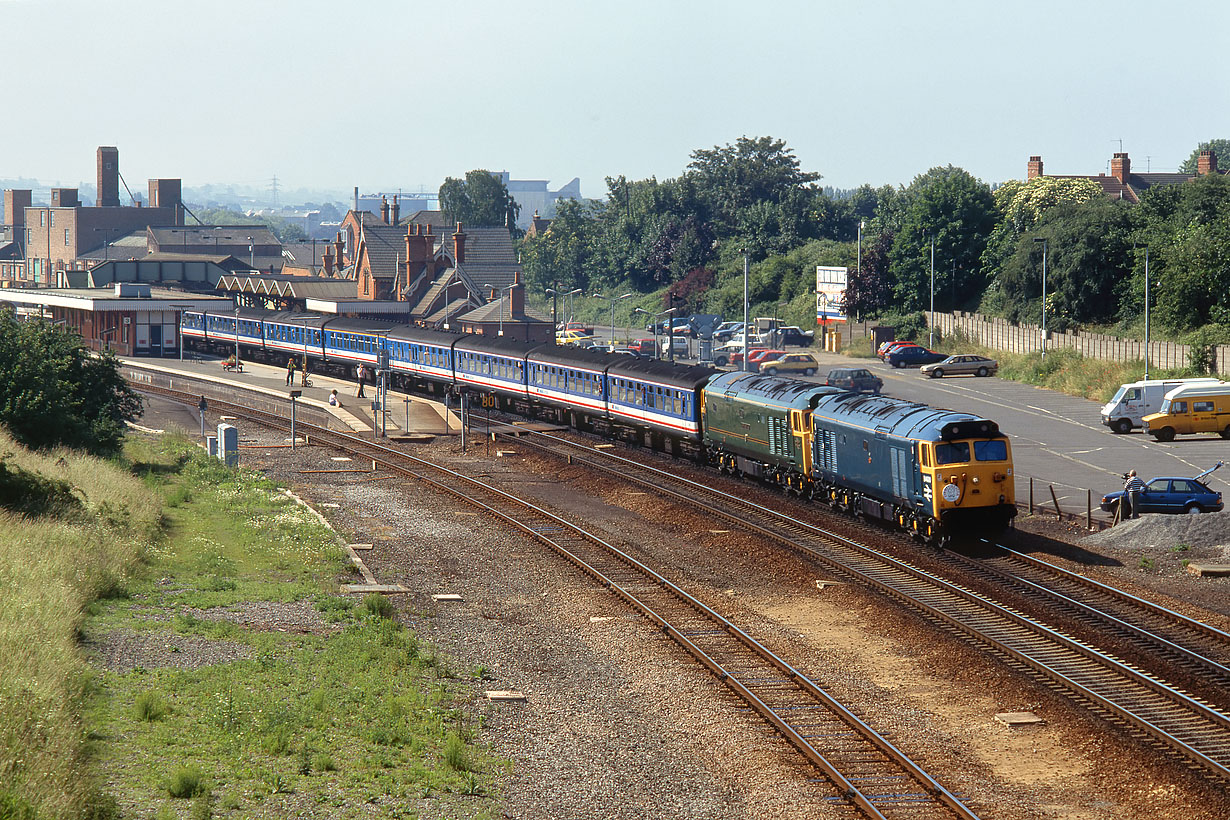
x,y
1063,369
347,718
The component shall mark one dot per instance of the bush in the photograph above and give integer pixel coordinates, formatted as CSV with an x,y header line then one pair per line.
x,y
150,707
187,781
455,754
322,762
378,606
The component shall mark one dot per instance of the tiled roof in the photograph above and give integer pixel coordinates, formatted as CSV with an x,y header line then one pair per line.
x,y
492,311
385,244
209,235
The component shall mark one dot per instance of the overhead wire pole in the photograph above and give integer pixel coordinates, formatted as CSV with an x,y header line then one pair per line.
x,y
745,309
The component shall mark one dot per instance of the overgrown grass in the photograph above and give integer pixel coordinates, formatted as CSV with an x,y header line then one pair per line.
x,y
54,560
354,714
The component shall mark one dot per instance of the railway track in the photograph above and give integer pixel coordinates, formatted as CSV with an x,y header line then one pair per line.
x,y
868,773
1188,728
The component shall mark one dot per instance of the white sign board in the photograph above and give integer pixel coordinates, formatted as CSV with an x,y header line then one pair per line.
x,y
830,294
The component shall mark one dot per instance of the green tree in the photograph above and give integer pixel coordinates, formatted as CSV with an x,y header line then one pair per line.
x,y
733,178
480,200
55,393
1221,148
562,257
957,211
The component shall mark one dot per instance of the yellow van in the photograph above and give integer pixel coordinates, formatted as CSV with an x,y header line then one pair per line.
x,y
1192,408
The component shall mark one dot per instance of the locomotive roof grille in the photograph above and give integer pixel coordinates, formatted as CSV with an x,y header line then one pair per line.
x,y
969,428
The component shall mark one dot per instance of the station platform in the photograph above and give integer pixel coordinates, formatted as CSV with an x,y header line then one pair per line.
x,y
405,415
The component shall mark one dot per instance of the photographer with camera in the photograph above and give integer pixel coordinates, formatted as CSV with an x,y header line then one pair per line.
x,y
1133,486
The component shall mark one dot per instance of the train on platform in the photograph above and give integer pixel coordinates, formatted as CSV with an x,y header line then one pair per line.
x,y
934,473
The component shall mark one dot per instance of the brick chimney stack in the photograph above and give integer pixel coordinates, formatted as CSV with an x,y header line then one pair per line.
x,y
516,297
108,177
326,259
16,200
337,250
1034,168
1206,163
384,209
396,213
1121,166
459,246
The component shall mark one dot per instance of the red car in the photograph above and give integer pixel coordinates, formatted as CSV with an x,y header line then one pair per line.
x,y
754,356
888,347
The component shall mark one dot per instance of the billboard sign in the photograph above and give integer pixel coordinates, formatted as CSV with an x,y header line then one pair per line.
x,y
830,294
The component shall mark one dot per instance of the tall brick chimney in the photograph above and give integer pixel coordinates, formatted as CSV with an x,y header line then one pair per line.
x,y
108,177
1121,166
459,246
337,250
16,200
1206,163
516,297
396,213
326,259
1034,168
384,209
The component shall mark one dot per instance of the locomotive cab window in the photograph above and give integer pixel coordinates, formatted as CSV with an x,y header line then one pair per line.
x,y
994,450
952,452
924,455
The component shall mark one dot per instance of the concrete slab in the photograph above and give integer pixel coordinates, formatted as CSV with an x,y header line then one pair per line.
x,y
360,546
448,598
1202,569
1018,718
504,695
382,588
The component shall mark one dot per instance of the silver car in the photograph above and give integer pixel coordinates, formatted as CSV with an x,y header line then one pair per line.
x,y
964,364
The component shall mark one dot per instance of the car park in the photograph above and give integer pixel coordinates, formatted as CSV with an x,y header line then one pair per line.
x,y
857,379
755,356
1200,407
912,356
964,364
726,330
804,363
1171,494
1135,400
790,336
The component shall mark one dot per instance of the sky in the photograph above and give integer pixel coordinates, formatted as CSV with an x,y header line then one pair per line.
x,y
390,95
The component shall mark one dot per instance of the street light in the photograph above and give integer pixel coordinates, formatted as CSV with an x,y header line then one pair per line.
x,y
501,292
655,316
1043,240
236,337
251,254
745,309
569,295
554,318
612,300
931,318
1146,313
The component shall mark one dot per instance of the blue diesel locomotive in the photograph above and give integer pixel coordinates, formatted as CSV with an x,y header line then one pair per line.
x,y
931,472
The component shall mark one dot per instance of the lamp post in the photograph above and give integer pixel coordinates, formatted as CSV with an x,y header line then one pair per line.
x,y
1146,313
251,254
294,394
1044,242
746,267
554,318
570,294
500,291
106,241
655,316
931,318
612,300
236,337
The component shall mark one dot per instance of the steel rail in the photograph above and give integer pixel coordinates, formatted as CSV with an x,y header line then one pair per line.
x,y
1183,724
403,463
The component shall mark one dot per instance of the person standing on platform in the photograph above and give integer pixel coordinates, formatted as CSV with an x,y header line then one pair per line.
x,y
290,371
303,373
361,372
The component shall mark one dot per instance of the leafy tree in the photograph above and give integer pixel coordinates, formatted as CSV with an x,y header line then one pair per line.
x,y
480,200
732,178
869,288
561,258
54,393
1221,149
283,229
957,211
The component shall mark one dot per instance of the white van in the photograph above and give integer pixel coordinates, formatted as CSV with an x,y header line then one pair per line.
x,y
1134,401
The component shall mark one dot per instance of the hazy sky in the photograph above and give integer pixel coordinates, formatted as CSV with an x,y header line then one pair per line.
x,y
401,94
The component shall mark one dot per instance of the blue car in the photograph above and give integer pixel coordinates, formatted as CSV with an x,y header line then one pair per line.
x,y
1172,494
913,356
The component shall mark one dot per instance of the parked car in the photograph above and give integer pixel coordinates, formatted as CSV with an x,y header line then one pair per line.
x,y
573,337
1135,400
913,356
643,347
680,343
1197,407
965,364
725,330
857,379
803,362
581,326
883,349
1171,494
789,336
754,356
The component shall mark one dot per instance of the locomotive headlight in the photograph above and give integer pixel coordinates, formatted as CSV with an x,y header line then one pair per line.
x,y
975,479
